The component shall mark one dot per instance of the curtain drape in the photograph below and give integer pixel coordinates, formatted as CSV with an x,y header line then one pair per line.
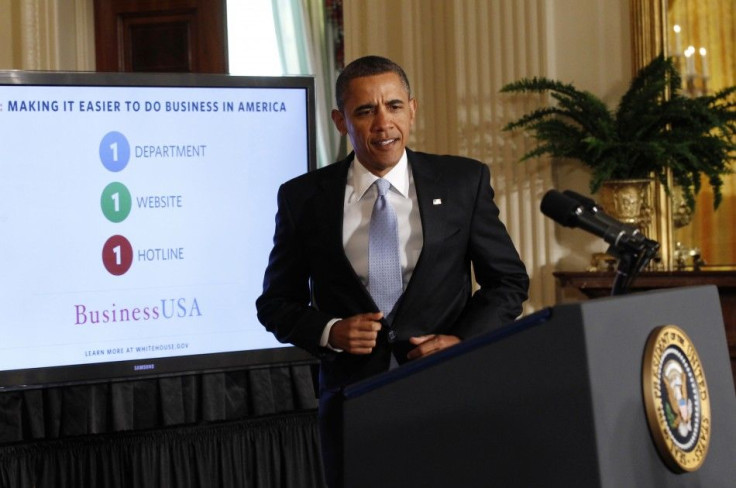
x,y
248,428
64,411
305,38
709,24
275,451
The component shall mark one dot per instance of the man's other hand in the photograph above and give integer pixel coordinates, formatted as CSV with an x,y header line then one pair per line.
x,y
430,344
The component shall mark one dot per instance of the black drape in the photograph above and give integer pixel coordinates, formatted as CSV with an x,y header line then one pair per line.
x,y
274,451
247,428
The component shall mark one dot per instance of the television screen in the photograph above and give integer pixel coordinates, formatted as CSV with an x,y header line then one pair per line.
x,y
136,218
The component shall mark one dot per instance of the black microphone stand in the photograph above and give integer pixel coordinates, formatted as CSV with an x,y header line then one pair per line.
x,y
633,256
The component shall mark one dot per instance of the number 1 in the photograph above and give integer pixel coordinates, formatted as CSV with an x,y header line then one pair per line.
x,y
114,147
116,198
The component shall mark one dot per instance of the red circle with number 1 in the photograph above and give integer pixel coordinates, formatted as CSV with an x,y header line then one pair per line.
x,y
117,255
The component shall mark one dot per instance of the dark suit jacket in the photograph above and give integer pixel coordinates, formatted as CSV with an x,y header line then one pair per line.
x,y
309,280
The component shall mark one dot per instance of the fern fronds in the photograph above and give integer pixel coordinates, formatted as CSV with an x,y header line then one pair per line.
x,y
655,129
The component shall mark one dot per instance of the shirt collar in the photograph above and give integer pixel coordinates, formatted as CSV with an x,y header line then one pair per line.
x,y
398,176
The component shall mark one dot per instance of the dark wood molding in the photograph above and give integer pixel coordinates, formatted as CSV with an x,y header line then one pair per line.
x,y
161,35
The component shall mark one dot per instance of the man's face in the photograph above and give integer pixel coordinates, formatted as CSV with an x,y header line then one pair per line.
x,y
377,116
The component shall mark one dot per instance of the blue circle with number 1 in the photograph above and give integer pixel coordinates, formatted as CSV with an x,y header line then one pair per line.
x,y
114,151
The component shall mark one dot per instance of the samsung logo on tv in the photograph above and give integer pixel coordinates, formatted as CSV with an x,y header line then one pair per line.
x,y
143,367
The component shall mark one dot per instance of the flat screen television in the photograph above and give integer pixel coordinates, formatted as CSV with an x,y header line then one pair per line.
x,y
136,218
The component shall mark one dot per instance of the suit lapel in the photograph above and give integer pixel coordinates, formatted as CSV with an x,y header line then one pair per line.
x,y
431,195
329,209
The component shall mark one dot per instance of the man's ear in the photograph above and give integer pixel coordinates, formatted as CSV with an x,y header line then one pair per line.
x,y
339,121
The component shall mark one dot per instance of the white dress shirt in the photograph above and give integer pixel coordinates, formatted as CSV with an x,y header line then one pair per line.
x,y
360,195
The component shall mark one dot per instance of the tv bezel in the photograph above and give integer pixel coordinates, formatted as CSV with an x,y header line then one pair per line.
x,y
53,376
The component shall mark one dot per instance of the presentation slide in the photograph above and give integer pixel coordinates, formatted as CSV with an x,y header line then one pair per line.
x,y
136,222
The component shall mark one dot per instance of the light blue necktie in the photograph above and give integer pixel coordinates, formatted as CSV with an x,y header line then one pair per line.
x,y
384,268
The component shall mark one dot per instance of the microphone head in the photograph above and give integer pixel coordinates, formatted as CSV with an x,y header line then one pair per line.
x,y
599,213
588,203
560,208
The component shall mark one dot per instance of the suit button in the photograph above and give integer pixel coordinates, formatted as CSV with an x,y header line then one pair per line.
x,y
391,336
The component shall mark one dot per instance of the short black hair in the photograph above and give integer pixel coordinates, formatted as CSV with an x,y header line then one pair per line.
x,y
366,66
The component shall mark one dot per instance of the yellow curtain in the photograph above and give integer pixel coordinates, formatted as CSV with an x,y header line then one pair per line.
x,y
708,24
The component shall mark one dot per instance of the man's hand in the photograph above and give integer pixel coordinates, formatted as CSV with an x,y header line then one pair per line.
x,y
430,344
356,334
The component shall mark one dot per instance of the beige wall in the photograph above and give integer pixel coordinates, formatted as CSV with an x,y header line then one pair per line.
x,y
458,54
47,35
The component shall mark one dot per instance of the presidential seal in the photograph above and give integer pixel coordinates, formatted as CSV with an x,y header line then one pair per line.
x,y
676,399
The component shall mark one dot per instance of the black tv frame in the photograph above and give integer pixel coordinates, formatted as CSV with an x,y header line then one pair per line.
x,y
53,376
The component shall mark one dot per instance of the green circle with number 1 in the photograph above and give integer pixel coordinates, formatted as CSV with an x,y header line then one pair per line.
x,y
116,202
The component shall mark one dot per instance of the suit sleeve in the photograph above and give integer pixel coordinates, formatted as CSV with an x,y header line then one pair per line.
x,y
285,308
498,269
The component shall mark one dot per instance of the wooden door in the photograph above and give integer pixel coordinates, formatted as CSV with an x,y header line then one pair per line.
x,y
161,35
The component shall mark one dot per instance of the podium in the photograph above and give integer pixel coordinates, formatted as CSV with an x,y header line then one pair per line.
x,y
553,400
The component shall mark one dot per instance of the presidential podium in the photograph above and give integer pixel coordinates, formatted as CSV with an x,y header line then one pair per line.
x,y
557,399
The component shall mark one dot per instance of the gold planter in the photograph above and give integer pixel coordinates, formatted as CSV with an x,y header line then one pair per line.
x,y
631,202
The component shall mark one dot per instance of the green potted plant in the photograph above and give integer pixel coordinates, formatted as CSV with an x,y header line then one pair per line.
x,y
654,130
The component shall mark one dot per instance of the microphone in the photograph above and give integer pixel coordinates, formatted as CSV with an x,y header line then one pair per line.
x,y
591,205
582,212
633,248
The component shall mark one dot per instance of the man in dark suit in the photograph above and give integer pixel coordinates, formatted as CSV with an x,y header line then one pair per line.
x,y
317,290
